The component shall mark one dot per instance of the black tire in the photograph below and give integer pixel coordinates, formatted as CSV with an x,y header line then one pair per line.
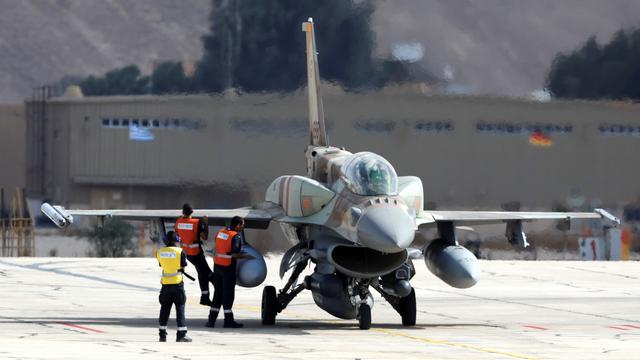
x,y
364,317
407,309
269,305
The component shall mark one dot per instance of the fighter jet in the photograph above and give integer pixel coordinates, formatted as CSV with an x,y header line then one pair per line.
x,y
355,220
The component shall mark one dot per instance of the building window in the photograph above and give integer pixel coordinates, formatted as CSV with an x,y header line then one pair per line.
x,y
381,126
619,130
509,128
434,126
185,124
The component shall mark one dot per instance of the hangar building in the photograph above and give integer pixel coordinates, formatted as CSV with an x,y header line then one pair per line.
x,y
223,151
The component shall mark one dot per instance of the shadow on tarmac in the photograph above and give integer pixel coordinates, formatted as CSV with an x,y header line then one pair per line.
x,y
250,325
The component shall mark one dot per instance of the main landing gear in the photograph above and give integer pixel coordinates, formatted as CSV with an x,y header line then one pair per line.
x,y
272,304
405,306
269,305
407,309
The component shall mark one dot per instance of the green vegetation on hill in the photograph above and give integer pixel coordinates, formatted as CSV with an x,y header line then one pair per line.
x,y
594,71
252,46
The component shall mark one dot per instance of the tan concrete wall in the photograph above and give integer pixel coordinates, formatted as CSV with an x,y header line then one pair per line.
x,y
245,142
12,148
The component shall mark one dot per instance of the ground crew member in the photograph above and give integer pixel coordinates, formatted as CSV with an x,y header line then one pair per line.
x,y
172,260
228,249
192,232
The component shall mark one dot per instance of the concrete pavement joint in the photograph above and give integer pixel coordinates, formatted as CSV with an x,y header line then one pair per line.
x,y
438,314
531,305
603,272
536,278
453,344
88,277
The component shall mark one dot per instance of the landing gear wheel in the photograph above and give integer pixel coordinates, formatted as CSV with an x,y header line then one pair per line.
x,y
269,305
407,309
364,317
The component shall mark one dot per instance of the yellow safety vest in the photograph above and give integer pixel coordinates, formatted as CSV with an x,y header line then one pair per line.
x,y
169,258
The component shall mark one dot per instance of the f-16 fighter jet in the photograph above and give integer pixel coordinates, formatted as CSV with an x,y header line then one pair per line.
x,y
355,219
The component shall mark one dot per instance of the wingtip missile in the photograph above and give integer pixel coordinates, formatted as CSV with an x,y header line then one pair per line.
x,y
608,216
57,215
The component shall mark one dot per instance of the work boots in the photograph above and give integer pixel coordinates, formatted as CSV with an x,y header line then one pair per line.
x,y
163,335
204,300
213,316
181,336
229,322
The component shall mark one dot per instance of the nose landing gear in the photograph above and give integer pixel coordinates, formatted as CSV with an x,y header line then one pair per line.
x,y
364,317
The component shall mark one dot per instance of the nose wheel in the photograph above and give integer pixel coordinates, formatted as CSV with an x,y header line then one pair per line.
x,y
364,317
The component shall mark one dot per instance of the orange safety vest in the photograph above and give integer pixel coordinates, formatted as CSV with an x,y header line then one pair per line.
x,y
224,242
187,229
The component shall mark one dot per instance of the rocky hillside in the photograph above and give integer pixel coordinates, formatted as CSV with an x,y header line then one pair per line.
x,y
496,46
490,46
43,40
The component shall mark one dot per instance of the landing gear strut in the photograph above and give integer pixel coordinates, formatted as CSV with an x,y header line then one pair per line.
x,y
272,304
366,301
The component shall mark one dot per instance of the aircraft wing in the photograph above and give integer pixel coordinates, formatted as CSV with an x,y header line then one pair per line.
x,y
255,217
447,221
492,217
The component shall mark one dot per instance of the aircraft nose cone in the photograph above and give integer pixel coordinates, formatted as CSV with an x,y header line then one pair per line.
x,y
386,229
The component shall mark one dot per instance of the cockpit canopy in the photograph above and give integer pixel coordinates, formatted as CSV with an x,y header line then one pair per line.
x,y
369,174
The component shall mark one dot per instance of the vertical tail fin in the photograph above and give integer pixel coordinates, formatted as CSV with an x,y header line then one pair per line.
x,y
317,132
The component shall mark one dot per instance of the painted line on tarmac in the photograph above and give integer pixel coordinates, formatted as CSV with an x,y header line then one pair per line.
x,y
535,327
633,326
417,338
626,327
618,328
81,327
254,309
